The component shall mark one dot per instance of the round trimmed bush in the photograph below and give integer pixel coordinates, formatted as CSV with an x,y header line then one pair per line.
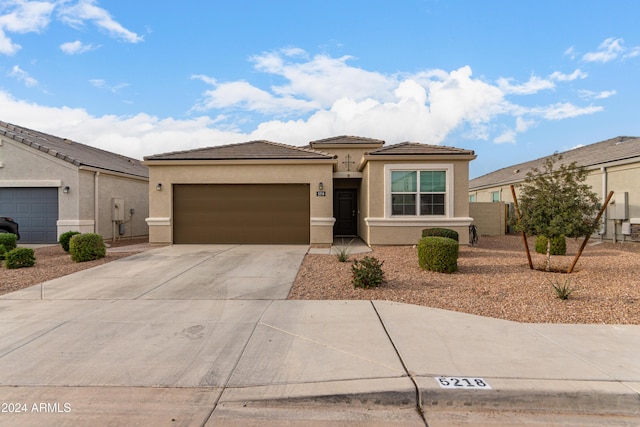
x,y
64,239
440,232
9,241
558,245
20,258
86,247
438,254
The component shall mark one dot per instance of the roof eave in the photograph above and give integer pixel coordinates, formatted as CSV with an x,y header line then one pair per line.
x,y
208,162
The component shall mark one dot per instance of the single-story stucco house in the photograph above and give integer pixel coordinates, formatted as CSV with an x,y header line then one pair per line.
x,y
613,164
267,192
50,185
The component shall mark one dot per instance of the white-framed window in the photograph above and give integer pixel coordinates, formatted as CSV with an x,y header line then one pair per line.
x,y
472,198
419,190
495,196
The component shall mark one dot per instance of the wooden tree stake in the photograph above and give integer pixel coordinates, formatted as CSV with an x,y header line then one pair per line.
x,y
586,239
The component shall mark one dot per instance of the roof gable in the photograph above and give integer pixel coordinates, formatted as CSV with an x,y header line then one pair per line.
x,y
611,150
415,148
252,150
347,140
74,152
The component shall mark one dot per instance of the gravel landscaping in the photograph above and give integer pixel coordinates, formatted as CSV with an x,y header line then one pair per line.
x,y
494,280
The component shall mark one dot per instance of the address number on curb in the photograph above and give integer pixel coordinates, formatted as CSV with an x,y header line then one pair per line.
x,y
463,383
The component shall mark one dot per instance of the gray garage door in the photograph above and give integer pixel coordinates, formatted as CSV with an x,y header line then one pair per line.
x,y
35,210
241,213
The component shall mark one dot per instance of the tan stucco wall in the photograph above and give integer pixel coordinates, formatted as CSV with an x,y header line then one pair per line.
x,y
382,230
25,166
135,195
321,208
488,217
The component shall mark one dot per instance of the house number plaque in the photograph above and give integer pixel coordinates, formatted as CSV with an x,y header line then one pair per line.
x,y
321,193
463,383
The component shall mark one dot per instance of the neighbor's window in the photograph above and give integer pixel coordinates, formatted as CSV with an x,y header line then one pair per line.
x,y
419,192
472,198
495,196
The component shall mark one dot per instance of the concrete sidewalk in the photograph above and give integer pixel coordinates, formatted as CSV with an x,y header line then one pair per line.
x,y
203,335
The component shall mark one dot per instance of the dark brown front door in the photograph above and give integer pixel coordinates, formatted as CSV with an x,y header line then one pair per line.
x,y
345,210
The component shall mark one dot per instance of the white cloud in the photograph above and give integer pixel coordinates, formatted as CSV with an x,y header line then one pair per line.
x,y
588,94
561,77
427,106
75,47
571,52
20,16
75,15
102,84
522,125
508,136
564,110
23,76
534,85
609,50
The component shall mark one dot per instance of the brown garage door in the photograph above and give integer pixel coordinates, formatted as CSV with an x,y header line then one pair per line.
x,y
241,213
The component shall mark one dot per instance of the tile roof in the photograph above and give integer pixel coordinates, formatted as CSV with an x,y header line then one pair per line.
x,y
611,150
74,152
347,139
251,150
415,148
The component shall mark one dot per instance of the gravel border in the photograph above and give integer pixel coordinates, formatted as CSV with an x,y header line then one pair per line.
x,y
494,280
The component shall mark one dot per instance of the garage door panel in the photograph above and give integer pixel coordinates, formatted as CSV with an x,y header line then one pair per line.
x,y
35,210
241,213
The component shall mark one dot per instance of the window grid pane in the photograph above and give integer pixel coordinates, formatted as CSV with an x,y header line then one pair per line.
x,y
403,182
432,204
403,204
433,181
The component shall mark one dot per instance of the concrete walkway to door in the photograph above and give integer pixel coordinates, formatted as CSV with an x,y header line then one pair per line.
x,y
202,335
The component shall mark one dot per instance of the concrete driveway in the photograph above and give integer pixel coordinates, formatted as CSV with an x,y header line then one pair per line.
x,y
201,335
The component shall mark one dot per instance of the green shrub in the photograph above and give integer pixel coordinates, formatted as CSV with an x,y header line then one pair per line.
x,y
86,247
438,254
9,241
558,245
3,251
367,273
440,232
64,239
20,257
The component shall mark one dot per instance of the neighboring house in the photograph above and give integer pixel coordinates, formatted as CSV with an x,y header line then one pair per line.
x,y
614,165
50,185
266,192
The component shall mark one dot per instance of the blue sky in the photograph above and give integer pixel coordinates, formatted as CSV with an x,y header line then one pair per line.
x,y
512,80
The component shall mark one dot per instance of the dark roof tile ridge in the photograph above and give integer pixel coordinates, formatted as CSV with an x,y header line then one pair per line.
x,y
333,138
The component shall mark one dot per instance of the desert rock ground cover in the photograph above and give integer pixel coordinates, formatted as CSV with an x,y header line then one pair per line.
x,y
494,280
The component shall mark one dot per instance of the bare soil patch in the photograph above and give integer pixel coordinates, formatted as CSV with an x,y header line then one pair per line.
x,y
494,280
53,262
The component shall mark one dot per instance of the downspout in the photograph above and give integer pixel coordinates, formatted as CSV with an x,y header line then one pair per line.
x,y
603,230
96,201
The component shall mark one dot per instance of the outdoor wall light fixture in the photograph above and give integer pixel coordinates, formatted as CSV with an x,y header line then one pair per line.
x,y
159,186
321,186
66,189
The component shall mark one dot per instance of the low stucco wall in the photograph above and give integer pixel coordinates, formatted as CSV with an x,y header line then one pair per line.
x,y
488,217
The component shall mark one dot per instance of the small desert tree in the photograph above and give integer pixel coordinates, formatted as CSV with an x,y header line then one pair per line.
x,y
555,201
